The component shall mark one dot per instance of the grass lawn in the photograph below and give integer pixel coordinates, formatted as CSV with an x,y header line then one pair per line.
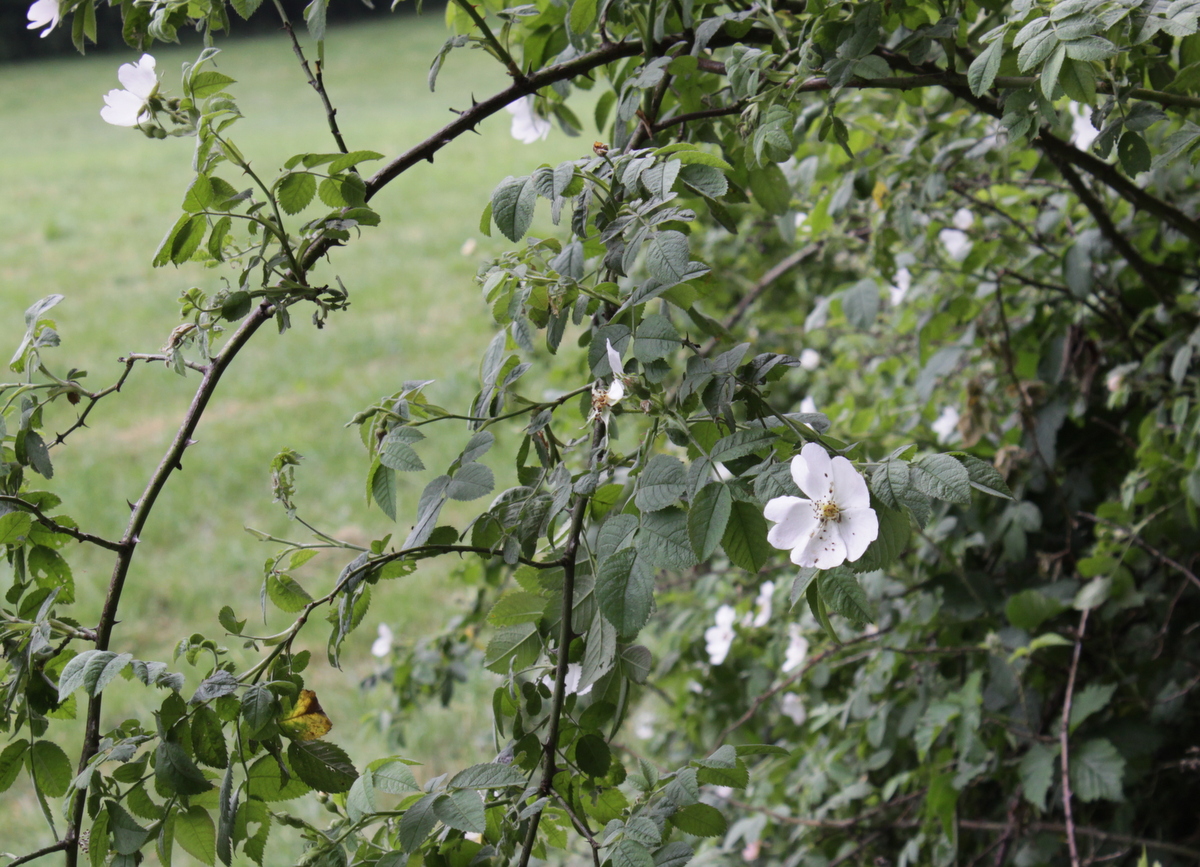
x,y
86,206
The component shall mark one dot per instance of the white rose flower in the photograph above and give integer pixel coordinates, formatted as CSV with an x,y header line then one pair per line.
x,y
762,614
834,526
793,708
946,424
382,645
797,649
527,127
604,399
128,107
42,13
719,638
810,359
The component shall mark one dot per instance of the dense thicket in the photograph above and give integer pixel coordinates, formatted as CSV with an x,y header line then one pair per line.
x,y
878,232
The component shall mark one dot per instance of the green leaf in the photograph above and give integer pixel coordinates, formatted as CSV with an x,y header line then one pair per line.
x,y
513,203
1133,153
630,853
462,810
675,854
841,591
708,518
127,835
51,768
1078,81
1037,773
943,477
662,483
700,820
353,158
295,190
205,84
1091,699
662,540
393,776
982,71
383,489
1096,769
14,529
199,194
745,538
185,241
1030,608
360,801
489,775
208,739
1052,69
417,822
246,8
860,304
519,645
668,257
984,477
175,771
93,670
771,189
582,17
314,17
471,482
196,833
736,777
11,761
593,755
517,606
265,782
259,708
741,443
656,338
285,593
625,592
322,765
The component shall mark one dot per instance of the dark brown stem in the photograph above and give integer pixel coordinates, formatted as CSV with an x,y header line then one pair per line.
x,y
129,541
580,826
1064,737
63,845
1146,546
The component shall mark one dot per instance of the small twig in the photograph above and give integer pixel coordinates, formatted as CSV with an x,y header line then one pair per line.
x,y
1064,732
60,846
317,81
755,292
54,526
580,826
1146,546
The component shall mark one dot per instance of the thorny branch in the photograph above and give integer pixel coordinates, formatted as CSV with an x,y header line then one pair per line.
x,y
1064,733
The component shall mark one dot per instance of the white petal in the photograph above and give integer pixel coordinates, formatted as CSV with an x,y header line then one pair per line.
x,y
946,424
795,521
859,528
824,551
527,127
726,615
383,644
615,392
139,79
808,405
810,359
849,488
122,108
811,472
614,359
963,219
41,13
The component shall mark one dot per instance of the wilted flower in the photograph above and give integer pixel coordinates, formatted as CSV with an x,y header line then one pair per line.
x,y
717,639
603,399
797,649
42,13
946,424
128,107
382,645
836,524
810,359
527,127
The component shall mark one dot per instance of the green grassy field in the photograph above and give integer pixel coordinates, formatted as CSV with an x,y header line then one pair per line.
x,y
86,205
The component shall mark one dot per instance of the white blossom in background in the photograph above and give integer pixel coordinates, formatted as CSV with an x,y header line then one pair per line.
x,y
719,638
1082,131
762,613
899,289
946,425
955,240
810,359
41,14
527,127
128,107
792,707
834,526
571,682
382,645
808,405
797,649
